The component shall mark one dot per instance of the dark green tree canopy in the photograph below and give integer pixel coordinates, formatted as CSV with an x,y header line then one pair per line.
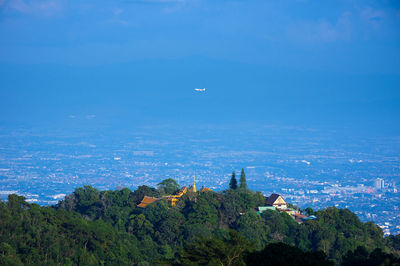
x,y
142,191
361,257
233,182
309,211
168,186
243,183
92,227
283,254
224,250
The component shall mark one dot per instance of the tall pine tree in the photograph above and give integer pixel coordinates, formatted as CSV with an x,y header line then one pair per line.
x,y
243,183
233,182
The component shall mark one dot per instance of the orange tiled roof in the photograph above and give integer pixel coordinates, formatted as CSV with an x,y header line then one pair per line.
x,y
142,205
148,200
205,189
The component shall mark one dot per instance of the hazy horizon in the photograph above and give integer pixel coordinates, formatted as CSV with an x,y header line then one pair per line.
x,y
302,63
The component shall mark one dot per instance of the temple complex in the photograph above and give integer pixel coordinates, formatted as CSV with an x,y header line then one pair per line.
x,y
172,199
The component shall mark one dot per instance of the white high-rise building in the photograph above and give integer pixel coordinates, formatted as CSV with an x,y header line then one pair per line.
x,y
379,183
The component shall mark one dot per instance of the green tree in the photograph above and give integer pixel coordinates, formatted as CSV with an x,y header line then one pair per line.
x,y
106,228
142,191
88,201
8,255
243,183
191,231
16,203
168,186
309,211
337,231
393,242
282,226
259,199
361,257
156,212
49,236
140,226
169,229
283,254
253,228
227,251
233,182
233,203
203,211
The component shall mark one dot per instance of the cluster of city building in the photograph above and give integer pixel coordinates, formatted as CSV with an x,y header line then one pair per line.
x,y
306,171
376,199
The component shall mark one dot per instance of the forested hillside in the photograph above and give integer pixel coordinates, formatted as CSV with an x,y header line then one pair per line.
x,y
91,227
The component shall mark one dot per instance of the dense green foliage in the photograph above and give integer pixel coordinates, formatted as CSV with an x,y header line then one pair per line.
x,y
233,182
232,248
284,254
168,186
361,257
94,227
243,182
34,235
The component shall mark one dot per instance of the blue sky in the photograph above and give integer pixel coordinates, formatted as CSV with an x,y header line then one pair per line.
x,y
305,62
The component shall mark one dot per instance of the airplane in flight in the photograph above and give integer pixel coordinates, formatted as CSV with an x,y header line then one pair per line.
x,y
197,89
